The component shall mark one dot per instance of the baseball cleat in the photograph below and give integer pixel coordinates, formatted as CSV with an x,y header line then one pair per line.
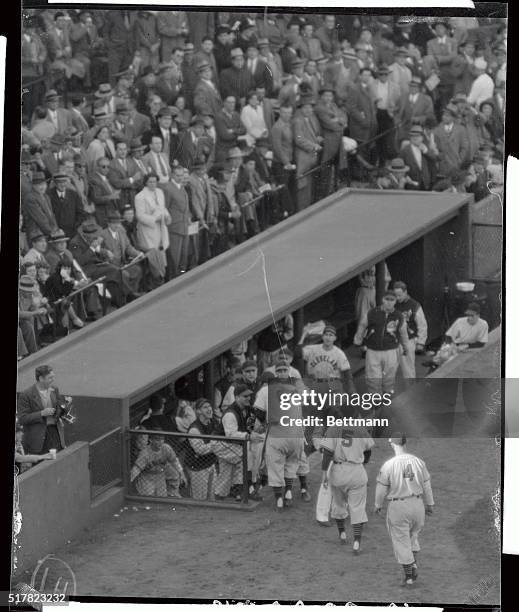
x,y
356,547
288,499
279,504
415,572
407,583
342,537
306,497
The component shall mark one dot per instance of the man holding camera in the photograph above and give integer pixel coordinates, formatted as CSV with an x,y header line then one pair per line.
x,y
40,411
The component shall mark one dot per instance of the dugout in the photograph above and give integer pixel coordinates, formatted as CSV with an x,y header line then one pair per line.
x,y
119,361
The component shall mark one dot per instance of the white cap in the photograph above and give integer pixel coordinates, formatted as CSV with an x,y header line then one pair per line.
x,y
480,63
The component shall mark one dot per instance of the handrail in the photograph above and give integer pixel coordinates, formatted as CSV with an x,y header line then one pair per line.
x,y
179,434
101,279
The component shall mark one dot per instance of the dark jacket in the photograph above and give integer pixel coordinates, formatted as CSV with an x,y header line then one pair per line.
x,y
34,425
383,329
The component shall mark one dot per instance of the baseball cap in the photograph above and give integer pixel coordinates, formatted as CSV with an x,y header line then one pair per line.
x,y
390,294
281,363
248,364
330,329
473,307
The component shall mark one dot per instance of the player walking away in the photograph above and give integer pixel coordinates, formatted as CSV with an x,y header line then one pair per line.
x,y
345,451
406,483
285,372
416,328
383,330
283,455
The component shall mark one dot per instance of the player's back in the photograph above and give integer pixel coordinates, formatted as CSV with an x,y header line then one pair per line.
x,y
405,474
347,444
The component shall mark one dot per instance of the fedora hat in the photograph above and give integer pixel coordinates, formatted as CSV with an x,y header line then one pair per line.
x,y
37,235
234,152
236,52
114,215
90,228
416,130
38,177
398,165
204,66
58,236
306,99
136,145
383,69
104,89
51,94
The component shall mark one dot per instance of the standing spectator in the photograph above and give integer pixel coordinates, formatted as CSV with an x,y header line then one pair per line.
x,y
158,162
362,116
451,141
388,102
144,88
328,34
167,130
462,67
237,80
167,85
283,165
60,51
200,24
84,39
34,54
36,254
203,209
416,328
179,212
333,122
444,49
66,205
229,127
222,48
147,38
416,108
418,158
40,411
189,74
274,63
260,71
124,175
482,87
308,147
382,330
122,130
27,313
290,92
201,461
118,32
23,460
253,119
193,145
310,44
173,30
399,71
206,97
152,221
206,56
36,208
102,194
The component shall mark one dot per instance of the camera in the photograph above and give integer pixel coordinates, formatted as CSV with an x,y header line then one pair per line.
x,y
65,410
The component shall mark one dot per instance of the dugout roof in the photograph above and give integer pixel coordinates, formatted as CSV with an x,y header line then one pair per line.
x,y
194,318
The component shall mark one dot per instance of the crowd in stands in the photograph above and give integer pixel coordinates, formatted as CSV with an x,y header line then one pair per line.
x,y
155,140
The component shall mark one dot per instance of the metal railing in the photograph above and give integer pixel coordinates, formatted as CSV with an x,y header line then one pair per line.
x,y
185,467
105,462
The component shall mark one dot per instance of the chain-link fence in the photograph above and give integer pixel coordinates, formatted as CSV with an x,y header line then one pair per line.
x,y
187,466
105,462
486,250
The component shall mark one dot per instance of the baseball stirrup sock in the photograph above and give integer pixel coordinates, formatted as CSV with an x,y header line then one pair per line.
x,y
357,532
340,525
415,554
278,492
302,482
408,570
288,484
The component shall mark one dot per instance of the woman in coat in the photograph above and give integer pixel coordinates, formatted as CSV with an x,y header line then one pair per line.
x,y
152,221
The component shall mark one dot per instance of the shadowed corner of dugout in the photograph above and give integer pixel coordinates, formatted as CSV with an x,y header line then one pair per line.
x,y
434,408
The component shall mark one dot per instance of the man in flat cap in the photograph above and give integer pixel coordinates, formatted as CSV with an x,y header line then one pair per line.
x,y
237,80
36,208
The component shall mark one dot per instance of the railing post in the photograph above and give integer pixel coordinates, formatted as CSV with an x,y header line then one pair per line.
x,y
380,280
245,463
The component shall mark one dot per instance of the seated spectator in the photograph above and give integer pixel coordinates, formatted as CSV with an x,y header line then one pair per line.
x,y
201,460
237,80
229,128
396,176
184,115
37,210
452,141
28,311
41,322
58,286
129,223
470,331
417,156
157,472
482,87
66,204
101,146
25,461
229,214
36,254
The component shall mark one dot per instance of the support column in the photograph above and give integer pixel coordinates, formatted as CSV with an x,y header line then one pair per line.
x,y
209,380
299,322
380,280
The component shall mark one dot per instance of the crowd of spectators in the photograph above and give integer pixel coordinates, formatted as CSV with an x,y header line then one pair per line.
x,y
155,140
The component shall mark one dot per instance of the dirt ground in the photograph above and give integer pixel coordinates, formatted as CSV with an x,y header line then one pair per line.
x,y
179,552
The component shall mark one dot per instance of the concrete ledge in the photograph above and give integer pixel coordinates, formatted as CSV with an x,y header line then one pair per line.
x,y
183,501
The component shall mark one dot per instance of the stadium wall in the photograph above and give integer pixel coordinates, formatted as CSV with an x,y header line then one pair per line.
x,y
55,503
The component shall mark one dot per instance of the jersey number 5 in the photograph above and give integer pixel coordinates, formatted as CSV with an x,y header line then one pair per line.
x,y
347,437
408,472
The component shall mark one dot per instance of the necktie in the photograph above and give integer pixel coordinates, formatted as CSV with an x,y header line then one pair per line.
x,y
163,168
123,163
107,151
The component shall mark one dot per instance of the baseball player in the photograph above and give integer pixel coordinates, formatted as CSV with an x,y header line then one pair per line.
x,y
345,451
282,454
406,483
